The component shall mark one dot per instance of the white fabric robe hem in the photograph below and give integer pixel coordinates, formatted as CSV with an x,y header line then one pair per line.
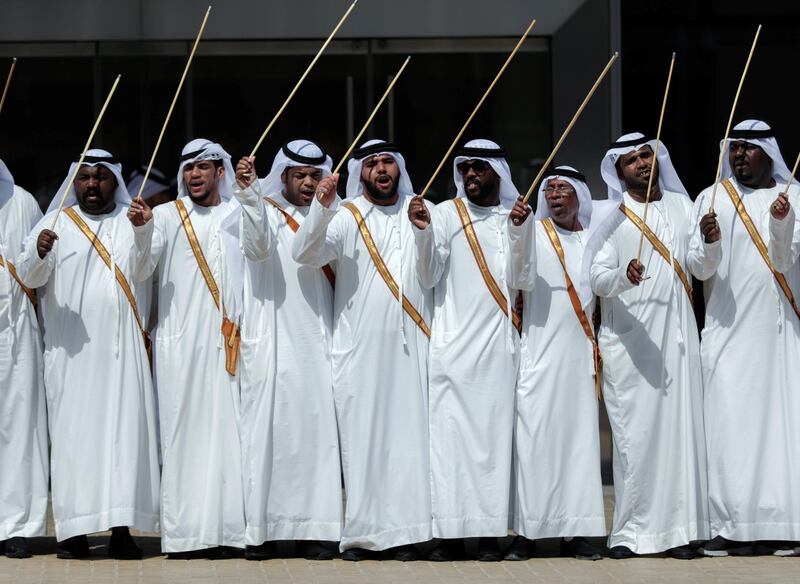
x,y
655,543
738,531
409,534
190,544
97,522
293,530
562,527
471,527
29,529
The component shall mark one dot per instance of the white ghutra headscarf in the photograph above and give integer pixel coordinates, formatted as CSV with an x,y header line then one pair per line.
x,y
355,188
758,133
495,156
295,153
94,157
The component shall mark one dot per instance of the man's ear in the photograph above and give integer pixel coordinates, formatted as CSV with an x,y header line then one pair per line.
x,y
284,176
620,176
220,171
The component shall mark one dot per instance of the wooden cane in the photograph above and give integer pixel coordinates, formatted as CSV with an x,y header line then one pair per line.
x,y
302,77
8,82
546,165
655,156
172,105
477,107
372,115
791,176
83,152
730,121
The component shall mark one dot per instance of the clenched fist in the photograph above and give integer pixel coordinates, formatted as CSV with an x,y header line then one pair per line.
x,y
780,208
418,212
45,242
326,190
139,213
709,227
635,272
246,171
520,212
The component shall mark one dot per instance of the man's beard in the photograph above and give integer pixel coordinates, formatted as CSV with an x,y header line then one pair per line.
x,y
485,191
376,193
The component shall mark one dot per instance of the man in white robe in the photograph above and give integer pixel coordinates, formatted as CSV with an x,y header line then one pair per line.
x,y
292,475
24,468
202,508
652,385
96,369
558,490
462,250
750,348
379,351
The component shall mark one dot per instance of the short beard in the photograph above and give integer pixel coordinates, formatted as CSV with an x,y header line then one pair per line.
x,y
375,192
485,191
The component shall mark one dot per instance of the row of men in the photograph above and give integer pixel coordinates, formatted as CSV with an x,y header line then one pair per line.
x,y
379,342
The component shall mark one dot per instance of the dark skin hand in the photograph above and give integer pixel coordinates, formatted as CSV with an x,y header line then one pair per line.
x,y
709,227
246,172
326,190
139,212
520,211
418,213
635,272
780,208
45,241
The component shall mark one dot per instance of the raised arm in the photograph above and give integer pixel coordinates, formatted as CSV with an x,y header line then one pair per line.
x,y
430,238
257,238
522,247
705,241
38,255
317,243
148,238
784,233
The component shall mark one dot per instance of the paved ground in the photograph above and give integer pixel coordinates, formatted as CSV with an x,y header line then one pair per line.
x,y
546,567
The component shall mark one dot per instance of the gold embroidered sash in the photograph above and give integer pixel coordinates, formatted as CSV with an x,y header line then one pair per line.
x,y
483,266
577,306
29,292
759,243
294,226
383,270
230,331
660,248
105,255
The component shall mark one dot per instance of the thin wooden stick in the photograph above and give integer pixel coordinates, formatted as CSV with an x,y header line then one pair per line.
x,y
477,107
8,82
372,115
722,147
547,162
791,176
302,77
655,155
83,152
172,105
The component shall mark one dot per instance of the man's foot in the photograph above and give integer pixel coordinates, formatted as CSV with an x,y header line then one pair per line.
x,y
356,555
488,550
73,548
683,552
17,548
620,552
405,553
224,552
719,547
580,548
192,555
447,550
521,549
773,547
258,553
314,550
121,545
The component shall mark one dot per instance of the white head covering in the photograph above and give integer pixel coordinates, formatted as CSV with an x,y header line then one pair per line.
x,y
295,153
668,179
202,149
94,157
156,182
578,182
758,133
492,153
6,180
355,188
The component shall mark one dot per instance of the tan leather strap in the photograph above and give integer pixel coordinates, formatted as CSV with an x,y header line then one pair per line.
x,y
383,270
759,243
29,292
104,254
230,330
577,306
660,248
294,226
480,259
